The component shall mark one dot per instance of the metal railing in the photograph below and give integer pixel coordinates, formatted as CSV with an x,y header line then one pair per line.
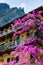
x,y
9,45
5,46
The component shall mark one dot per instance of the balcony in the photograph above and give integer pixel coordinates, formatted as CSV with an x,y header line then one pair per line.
x,y
11,45
6,46
9,30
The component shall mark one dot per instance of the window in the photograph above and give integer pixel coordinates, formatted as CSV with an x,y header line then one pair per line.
x,y
17,59
13,43
32,58
8,59
10,40
18,40
27,35
10,44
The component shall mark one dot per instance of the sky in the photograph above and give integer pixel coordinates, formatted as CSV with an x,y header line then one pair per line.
x,y
27,4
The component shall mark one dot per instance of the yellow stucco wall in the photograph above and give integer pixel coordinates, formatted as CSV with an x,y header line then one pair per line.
x,y
5,56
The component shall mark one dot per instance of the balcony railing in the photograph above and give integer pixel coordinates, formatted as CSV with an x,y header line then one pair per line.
x,y
10,30
10,45
13,44
6,46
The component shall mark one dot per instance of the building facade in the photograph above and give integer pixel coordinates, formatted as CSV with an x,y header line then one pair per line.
x,y
16,34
